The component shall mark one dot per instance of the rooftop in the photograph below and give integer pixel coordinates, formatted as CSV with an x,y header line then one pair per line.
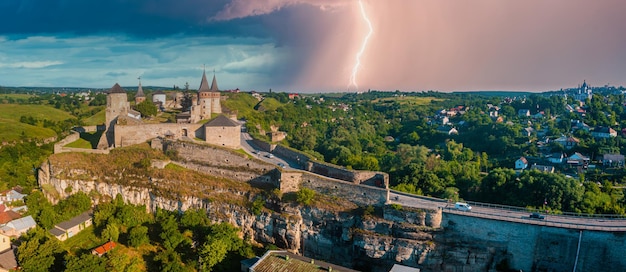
x,y
65,225
222,121
283,261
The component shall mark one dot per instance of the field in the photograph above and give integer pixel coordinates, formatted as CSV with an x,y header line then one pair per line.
x,y
11,129
14,112
15,96
410,100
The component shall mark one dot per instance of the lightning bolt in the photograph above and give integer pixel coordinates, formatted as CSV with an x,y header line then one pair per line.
x,y
357,63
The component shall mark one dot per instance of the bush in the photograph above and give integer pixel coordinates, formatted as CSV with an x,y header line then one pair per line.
x,y
305,196
257,205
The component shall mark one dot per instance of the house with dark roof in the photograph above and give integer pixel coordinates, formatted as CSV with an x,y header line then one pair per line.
x,y
613,160
603,132
69,228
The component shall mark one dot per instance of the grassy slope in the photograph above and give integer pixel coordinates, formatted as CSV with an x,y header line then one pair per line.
x,y
11,129
97,119
15,111
243,103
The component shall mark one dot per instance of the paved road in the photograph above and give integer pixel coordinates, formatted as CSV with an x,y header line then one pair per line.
x,y
482,210
511,214
249,147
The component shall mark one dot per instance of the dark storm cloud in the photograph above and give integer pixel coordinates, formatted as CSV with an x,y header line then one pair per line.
x,y
140,18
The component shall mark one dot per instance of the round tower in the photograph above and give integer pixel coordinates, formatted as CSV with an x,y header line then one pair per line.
x,y
117,104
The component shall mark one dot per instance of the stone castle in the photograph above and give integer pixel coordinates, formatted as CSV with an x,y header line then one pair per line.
x,y
124,126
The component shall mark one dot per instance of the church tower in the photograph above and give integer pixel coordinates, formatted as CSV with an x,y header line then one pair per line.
x,y
140,96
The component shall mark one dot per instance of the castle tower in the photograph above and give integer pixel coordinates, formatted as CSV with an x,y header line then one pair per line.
x,y
117,104
204,99
216,107
140,96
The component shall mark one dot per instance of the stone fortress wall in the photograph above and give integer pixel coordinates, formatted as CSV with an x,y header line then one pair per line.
x,y
371,178
126,135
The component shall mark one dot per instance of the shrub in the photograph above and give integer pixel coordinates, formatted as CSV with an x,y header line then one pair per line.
x,y
305,196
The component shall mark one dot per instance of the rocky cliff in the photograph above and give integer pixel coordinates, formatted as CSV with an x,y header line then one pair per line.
x,y
331,229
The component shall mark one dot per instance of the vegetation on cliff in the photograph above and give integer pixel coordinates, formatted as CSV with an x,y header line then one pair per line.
x,y
164,241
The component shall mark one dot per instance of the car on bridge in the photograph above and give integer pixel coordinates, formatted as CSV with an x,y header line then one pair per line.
x,y
462,206
536,216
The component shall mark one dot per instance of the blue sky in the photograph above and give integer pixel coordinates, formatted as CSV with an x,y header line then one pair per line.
x,y
311,45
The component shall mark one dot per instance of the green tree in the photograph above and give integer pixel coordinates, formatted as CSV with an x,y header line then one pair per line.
x,y
111,232
138,236
38,251
118,261
146,108
86,262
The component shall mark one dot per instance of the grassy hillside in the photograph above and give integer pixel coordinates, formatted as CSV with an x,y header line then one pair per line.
x,y
97,119
243,103
15,111
11,129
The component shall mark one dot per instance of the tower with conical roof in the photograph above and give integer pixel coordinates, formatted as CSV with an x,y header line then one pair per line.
x,y
140,96
204,100
216,106
117,104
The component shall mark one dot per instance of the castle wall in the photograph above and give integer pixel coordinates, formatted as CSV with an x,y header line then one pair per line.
x,y
360,194
136,134
224,136
371,178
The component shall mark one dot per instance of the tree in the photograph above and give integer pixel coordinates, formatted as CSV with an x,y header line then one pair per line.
x,y
37,252
118,261
138,236
86,262
111,232
146,108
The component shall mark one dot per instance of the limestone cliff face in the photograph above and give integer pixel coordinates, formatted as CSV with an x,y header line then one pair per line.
x,y
369,243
